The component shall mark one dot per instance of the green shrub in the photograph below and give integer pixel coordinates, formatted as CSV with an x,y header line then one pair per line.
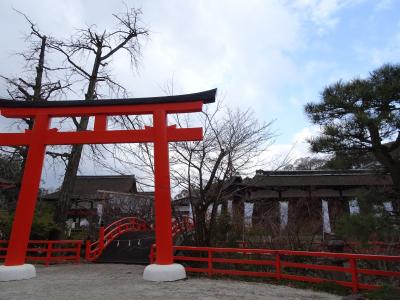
x,y
43,225
373,222
384,293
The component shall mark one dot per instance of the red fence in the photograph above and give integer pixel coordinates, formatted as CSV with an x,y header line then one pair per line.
x,y
49,251
290,265
370,247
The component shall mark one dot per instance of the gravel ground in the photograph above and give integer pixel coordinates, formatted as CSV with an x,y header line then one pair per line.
x,y
116,281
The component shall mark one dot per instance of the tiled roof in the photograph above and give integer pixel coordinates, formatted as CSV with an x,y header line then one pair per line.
x,y
87,186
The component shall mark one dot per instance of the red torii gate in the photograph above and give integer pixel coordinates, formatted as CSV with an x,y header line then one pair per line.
x,y
41,135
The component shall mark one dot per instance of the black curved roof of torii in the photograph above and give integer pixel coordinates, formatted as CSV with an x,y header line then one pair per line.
x,y
206,97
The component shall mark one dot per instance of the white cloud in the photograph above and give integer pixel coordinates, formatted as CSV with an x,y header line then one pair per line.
x,y
380,55
242,49
298,147
295,101
384,4
323,13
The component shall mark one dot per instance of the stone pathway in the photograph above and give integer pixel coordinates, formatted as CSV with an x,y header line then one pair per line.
x,y
116,281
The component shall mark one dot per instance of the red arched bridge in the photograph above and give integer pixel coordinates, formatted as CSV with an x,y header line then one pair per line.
x,y
129,240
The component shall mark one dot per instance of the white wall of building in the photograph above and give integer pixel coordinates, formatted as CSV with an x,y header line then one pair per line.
x,y
354,207
326,224
248,213
283,213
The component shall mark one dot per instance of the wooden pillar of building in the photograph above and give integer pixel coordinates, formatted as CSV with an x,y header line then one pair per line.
x,y
266,215
238,210
337,208
257,213
224,208
305,215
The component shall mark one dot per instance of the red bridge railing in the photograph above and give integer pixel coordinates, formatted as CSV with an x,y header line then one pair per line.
x,y
49,251
181,225
280,264
112,231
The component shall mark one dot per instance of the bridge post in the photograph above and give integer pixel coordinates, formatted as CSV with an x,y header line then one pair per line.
x,y
164,269
101,238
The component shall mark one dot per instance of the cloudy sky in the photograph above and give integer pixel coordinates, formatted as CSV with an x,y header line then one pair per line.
x,y
272,56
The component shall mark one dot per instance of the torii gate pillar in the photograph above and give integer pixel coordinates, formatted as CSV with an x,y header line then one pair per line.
x,y
164,269
36,139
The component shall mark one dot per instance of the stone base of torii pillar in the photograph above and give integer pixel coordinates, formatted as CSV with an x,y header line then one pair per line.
x,y
170,272
9,273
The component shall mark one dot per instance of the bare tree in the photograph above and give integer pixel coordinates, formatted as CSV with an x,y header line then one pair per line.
x,y
117,205
98,48
38,81
38,85
307,163
232,145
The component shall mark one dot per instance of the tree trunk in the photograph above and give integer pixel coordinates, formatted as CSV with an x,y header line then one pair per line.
x,y
395,174
211,223
391,165
384,156
39,71
200,226
64,200
37,90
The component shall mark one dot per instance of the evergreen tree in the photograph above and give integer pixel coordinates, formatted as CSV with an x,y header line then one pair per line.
x,y
361,116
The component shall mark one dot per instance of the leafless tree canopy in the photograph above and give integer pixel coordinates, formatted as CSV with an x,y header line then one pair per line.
x,y
97,48
39,80
232,145
88,53
117,205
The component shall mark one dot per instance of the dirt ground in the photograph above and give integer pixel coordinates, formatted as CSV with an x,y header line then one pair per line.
x,y
116,281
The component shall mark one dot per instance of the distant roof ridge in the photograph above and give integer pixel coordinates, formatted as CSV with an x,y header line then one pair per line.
x,y
321,172
105,176
114,192
90,184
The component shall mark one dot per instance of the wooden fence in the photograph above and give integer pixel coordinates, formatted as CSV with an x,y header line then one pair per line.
x,y
49,251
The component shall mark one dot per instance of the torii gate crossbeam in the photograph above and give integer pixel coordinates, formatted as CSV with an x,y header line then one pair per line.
x,y
41,135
